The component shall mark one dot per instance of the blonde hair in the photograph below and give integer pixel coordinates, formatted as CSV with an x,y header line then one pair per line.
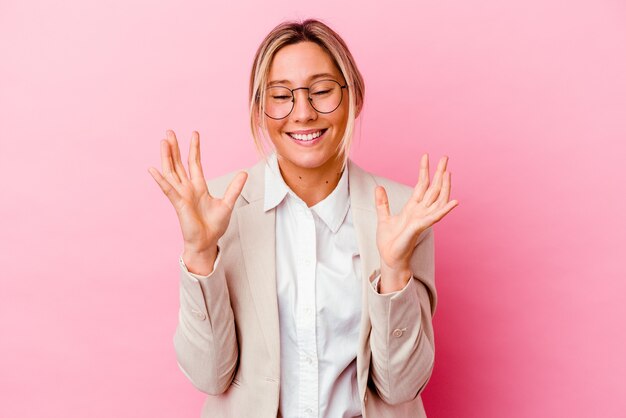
x,y
293,32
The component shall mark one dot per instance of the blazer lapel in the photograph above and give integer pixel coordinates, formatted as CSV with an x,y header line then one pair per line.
x,y
362,190
362,187
257,234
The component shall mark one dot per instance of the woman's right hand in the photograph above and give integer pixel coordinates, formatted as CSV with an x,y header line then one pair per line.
x,y
203,218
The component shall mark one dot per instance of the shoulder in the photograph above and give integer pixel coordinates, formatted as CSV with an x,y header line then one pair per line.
x,y
398,193
366,181
393,188
217,185
252,189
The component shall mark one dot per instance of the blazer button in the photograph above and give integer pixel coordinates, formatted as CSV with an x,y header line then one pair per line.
x,y
198,315
398,332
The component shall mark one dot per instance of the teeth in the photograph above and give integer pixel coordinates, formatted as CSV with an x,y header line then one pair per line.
x,y
308,137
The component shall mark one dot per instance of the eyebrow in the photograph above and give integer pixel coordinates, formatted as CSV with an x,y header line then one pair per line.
x,y
310,78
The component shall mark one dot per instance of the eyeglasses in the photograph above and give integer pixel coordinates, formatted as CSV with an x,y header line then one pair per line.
x,y
325,96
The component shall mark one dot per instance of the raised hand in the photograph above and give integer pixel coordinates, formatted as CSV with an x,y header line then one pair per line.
x,y
397,235
203,218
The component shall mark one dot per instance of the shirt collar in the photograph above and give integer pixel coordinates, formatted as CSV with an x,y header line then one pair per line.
x,y
332,210
275,187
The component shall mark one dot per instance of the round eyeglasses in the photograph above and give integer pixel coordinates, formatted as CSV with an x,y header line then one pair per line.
x,y
325,96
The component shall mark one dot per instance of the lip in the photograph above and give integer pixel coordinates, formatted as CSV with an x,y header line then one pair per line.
x,y
306,131
310,143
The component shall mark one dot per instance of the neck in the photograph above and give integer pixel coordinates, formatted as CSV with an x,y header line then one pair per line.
x,y
312,185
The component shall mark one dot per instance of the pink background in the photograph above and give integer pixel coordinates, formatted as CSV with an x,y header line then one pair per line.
x,y
528,98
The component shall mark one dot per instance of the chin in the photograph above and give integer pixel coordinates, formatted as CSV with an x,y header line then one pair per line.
x,y
305,161
305,158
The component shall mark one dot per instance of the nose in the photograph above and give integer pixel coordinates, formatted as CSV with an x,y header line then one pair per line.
x,y
302,108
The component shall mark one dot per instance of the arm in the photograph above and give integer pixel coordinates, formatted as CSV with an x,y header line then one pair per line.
x,y
205,340
402,338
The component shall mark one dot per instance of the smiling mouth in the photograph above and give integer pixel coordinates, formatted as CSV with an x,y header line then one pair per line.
x,y
307,137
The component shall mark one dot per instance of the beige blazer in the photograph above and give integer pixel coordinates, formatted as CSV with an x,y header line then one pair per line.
x,y
227,340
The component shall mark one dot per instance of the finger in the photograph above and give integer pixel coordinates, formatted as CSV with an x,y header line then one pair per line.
x,y
423,180
166,187
382,204
178,164
166,162
438,215
433,191
194,162
234,188
444,195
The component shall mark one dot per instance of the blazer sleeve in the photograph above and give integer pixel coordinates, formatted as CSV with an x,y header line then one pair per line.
x,y
402,338
205,339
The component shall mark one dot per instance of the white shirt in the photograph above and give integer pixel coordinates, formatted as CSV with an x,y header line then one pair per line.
x,y
319,299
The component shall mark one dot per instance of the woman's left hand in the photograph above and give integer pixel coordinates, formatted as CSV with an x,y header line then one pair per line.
x,y
397,235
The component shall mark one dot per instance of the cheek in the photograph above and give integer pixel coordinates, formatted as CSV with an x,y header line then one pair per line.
x,y
341,118
344,107
274,128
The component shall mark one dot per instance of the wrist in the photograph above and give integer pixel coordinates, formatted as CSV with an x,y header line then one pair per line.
x,y
200,262
393,279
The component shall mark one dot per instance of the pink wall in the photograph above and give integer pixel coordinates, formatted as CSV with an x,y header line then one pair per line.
x,y
528,98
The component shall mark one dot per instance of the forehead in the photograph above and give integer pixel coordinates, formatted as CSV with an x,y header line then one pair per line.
x,y
299,63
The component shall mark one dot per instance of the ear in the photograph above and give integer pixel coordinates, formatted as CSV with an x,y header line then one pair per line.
x,y
358,110
257,120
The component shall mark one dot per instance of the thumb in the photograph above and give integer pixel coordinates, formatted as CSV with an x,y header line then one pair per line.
x,y
234,188
382,204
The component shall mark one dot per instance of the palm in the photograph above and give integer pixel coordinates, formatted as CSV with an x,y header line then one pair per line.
x,y
397,235
203,218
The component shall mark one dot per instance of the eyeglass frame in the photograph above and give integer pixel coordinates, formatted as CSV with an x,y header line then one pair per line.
x,y
293,97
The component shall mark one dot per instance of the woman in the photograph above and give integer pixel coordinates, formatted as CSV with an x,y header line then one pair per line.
x,y
302,294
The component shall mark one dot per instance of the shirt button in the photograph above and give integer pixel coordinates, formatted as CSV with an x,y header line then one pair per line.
x,y
309,360
307,261
198,315
308,411
398,332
